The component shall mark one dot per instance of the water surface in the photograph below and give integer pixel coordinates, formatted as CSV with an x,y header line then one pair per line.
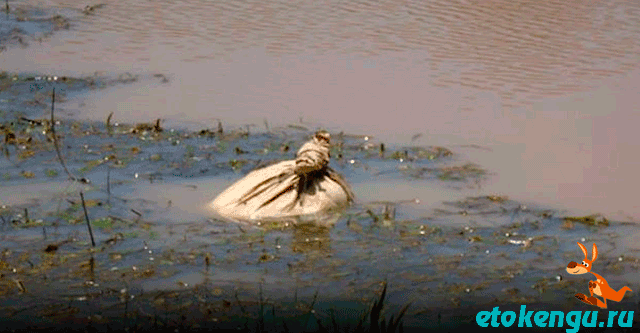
x,y
542,95
549,86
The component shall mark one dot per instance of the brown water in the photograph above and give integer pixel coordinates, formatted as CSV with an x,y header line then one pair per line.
x,y
549,86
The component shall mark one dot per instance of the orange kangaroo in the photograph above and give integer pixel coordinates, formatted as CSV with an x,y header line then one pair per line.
x,y
600,286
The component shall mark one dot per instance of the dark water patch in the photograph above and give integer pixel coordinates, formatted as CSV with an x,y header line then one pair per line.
x,y
200,309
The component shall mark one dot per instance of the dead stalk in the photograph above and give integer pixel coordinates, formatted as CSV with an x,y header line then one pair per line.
x,y
220,130
373,216
92,265
55,139
86,215
108,124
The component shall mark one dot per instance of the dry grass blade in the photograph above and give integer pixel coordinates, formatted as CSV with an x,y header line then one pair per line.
x,y
376,311
377,321
55,139
108,124
397,323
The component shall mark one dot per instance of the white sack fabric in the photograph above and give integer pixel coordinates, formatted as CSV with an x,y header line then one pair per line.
x,y
306,186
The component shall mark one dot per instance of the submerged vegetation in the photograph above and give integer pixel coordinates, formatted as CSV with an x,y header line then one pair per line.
x,y
93,249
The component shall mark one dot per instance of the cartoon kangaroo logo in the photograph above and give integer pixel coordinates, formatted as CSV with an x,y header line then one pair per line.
x,y
600,286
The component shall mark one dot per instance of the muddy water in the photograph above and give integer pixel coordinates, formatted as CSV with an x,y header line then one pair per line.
x,y
549,86
542,95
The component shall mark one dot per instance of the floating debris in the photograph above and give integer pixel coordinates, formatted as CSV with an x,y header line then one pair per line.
x,y
147,127
89,10
420,153
60,22
27,174
162,76
127,78
592,220
497,198
21,286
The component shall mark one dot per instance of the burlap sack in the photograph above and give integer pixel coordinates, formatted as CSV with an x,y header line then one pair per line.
x,y
306,187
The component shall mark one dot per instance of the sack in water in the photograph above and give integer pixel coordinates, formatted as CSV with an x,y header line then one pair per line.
x,y
306,186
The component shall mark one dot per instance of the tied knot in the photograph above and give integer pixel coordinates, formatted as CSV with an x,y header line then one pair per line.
x,y
314,154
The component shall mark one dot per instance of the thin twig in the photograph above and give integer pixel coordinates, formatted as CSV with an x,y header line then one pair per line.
x,y
86,215
55,139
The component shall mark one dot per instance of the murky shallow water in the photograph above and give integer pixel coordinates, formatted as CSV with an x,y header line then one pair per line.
x,y
550,87
545,103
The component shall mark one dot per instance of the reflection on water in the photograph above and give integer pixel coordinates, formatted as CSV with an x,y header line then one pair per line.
x,y
550,86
